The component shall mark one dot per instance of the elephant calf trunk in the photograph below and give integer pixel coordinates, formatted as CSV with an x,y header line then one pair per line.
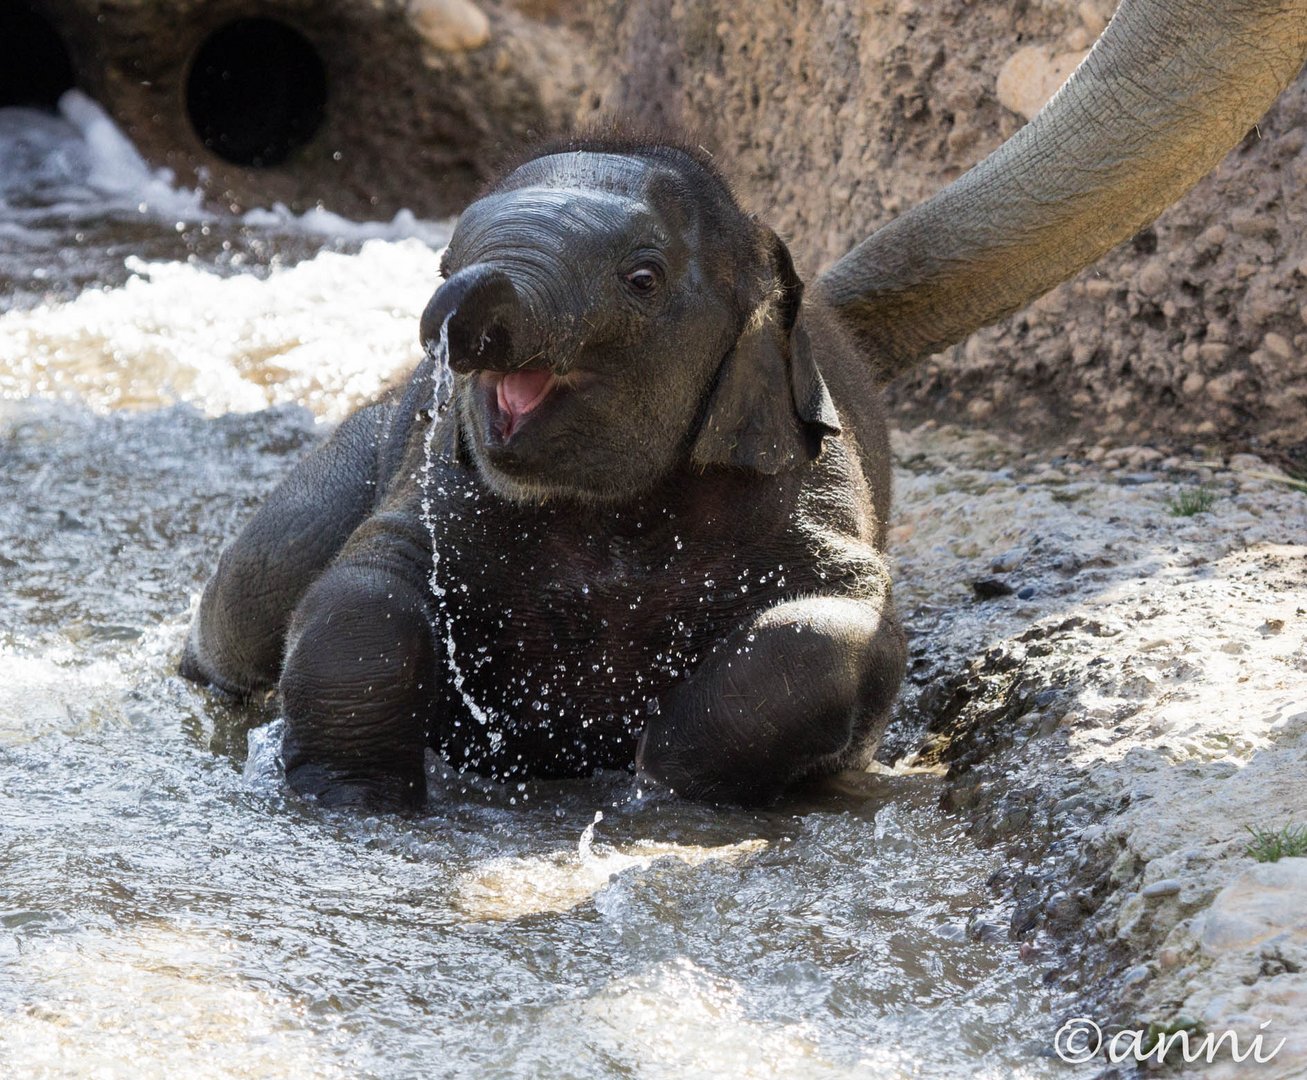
x,y
485,317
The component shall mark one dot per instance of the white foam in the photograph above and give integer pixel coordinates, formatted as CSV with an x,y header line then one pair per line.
x,y
327,333
322,222
116,168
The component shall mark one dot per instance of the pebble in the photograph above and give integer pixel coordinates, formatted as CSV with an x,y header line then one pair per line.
x,y
1136,974
450,25
1158,889
1026,593
1141,456
1169,958
1278,345
1008,560
1153,279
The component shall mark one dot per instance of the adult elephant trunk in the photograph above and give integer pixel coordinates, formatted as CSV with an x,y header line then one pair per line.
x,y
1167,90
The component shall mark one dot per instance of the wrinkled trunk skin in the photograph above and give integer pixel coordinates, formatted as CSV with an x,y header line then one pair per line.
x,y
409,123
834,117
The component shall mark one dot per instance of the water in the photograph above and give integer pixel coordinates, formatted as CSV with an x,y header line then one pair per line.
x,y
166,908
442,390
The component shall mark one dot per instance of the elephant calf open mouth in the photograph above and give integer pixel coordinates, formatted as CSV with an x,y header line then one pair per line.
x,y
517,394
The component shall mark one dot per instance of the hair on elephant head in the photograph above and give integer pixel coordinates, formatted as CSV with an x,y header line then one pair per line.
x,y
613,313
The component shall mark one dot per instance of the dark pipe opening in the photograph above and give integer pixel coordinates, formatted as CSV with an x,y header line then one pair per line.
x,y
35,68
257,92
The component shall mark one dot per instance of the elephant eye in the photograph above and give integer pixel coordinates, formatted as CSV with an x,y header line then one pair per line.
x,y
642,280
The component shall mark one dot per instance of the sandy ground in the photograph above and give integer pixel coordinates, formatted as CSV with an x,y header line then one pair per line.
x,y
1122,716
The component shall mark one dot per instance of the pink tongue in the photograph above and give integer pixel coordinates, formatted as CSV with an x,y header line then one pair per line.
x,y
520,391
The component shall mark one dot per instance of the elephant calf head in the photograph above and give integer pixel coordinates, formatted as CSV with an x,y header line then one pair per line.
x,y
610,311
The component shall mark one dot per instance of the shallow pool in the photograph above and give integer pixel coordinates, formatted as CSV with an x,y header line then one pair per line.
x,y
167,909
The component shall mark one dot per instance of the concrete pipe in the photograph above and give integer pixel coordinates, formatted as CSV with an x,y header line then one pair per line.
x,y
365,106
35,67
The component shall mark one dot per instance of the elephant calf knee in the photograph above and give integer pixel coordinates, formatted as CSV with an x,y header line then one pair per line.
x,y
354,691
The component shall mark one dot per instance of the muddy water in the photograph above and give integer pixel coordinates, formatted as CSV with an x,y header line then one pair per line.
x,y
167,909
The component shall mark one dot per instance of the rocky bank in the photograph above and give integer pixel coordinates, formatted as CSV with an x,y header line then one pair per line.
x,y
1117,688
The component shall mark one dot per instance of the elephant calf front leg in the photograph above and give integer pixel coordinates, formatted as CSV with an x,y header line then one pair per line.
x,y
794,693
356,690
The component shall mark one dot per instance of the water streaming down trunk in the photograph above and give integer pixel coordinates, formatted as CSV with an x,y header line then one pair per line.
x,y
168,907
442,391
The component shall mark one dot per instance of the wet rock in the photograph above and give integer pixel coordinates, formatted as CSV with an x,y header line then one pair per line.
x,y
1063,911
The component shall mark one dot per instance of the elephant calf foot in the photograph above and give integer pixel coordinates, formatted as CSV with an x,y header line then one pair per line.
x,y
354,693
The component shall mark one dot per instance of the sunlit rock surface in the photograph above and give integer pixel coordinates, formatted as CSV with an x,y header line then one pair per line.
x,y
1133,707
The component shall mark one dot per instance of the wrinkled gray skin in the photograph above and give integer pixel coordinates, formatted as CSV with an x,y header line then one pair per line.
x,y
673,559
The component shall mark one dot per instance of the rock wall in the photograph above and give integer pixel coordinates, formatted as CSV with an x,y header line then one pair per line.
x,y
835,116
1111,677
422,96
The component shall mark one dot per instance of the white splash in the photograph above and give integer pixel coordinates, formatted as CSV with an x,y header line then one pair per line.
x,y
81,161
328,333
264,769
114,167
442,380
586,845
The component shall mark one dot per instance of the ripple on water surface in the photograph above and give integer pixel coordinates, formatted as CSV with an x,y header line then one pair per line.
x,y
161,914
164,912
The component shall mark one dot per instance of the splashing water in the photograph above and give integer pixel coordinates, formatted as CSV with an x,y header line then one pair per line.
x,y
442,388
166,908
586,845
77,201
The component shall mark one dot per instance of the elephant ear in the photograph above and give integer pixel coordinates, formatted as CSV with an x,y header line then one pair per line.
x,y
769,408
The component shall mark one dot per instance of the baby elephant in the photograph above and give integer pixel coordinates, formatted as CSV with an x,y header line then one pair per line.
x,y
658,501
659,495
